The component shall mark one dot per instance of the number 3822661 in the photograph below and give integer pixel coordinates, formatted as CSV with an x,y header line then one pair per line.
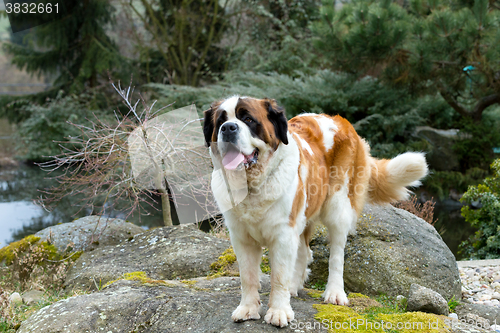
x,y
31,8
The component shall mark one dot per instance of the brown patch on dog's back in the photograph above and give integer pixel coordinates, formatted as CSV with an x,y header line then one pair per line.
x,y
316,183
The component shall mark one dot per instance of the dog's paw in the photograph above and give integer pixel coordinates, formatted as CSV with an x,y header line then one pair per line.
x,y
294,292
336,296
279,317
246,312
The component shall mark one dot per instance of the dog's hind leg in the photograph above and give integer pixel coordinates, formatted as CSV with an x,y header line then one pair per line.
x,y
249,255
304,258
339,218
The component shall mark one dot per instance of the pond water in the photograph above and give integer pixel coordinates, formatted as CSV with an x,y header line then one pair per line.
x,y
452,226
21,216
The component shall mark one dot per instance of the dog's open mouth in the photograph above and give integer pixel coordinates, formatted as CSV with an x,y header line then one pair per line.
x,y
234,158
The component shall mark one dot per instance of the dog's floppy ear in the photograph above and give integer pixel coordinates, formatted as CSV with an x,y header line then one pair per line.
x,y
208,126
276,115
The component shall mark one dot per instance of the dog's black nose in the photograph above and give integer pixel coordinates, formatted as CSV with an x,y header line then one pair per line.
x,y
229,128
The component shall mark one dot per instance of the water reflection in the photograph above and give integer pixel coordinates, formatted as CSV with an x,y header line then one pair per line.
x,y
19,216
452,226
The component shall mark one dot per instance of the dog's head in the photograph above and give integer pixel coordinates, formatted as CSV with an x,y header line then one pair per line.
x,y
244,129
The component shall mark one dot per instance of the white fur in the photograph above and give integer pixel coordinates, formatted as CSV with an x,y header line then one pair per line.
x,y
328,128
262,219
304,144
229,105
340,219
307,114
404,167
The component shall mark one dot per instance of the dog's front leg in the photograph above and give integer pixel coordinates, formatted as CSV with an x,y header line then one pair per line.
x,y
283,254
249,255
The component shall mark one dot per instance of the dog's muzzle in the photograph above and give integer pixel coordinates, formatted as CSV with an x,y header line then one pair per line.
x,y
230,132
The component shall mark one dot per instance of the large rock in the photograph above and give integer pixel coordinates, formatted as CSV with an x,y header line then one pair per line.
x,y
199,305
392,250
441,157
162,253
128,306
89,231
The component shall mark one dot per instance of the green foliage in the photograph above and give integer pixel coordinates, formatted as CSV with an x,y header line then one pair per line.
x,y
46,125
386,117
475,148
425,47
279,34
75,49
485,244
292,58
183,45
12,107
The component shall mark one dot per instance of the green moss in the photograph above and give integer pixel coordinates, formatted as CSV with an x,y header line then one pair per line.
x,y
7,253
357,295
189,282
313,293
222,266
264,264
50,251
141,277
76,255
376,319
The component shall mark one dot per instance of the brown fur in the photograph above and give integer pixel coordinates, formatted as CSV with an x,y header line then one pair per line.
x,y
327,170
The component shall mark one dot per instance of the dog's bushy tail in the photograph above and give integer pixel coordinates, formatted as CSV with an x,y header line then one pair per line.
x,y
389,178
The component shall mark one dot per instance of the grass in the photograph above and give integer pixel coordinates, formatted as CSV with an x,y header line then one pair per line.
x,y
23,312
319,285
452,304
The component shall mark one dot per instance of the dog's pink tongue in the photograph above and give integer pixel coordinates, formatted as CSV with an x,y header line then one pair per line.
x,y
232,159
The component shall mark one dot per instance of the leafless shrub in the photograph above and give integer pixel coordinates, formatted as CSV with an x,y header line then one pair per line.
x,y
97,164
425,211
5,307
38,267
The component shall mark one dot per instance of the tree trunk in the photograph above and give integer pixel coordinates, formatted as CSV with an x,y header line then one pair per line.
x,y
165,207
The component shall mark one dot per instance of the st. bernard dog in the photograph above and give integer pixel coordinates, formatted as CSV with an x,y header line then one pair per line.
x,y
313,168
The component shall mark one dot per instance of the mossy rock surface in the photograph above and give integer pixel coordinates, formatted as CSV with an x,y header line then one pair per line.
x,y
391,250
7,253
163,253
202,305
131,306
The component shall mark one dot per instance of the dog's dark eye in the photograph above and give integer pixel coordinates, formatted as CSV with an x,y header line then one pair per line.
x,y
248,120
